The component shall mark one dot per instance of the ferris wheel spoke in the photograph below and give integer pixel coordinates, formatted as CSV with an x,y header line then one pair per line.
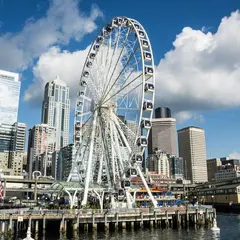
x,y
104,124
113,155
129,58
123,88
128,109
109,68
110,88
118,59
118,149
126,144
131,135
121,151
127,92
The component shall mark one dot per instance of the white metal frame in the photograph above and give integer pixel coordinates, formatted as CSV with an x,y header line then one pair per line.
x,y
116,76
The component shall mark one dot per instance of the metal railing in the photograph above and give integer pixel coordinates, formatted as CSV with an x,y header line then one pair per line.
x,y
104,211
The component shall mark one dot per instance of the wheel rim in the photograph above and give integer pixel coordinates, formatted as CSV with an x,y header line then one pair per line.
x,y
115,103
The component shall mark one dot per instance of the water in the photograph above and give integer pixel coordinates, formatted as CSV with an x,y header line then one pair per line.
x,y
228,223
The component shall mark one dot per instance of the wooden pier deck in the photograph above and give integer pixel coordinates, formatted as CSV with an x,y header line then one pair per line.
x,y
107,219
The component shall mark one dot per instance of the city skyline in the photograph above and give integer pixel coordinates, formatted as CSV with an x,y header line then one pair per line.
x,y
216,113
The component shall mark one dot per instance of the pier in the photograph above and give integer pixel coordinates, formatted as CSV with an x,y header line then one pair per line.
x,y
85,220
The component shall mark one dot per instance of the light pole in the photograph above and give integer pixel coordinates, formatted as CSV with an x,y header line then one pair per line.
x,y
28,201
186,201
212,200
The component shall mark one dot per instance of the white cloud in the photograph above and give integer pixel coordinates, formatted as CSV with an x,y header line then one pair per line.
x,y
202,72
234,155
183,116
66,65
62,22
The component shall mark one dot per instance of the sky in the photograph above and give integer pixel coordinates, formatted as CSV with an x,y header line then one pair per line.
x,y
196,47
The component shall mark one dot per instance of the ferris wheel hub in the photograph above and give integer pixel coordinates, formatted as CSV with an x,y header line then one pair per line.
x,y
110,104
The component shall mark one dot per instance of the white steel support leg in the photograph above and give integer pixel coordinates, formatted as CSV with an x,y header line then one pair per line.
x,y
89,163
120,167
74,174
117,148
99,178
70,198
123,135
100,199
113,153
106,159
146,186
74,197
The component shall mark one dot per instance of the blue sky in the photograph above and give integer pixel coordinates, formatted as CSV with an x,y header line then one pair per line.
x,y
198,42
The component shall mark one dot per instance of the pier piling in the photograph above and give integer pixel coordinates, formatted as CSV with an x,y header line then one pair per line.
x,y
109,220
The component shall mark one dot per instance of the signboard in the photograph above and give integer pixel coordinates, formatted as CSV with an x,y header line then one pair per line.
x,y
20,219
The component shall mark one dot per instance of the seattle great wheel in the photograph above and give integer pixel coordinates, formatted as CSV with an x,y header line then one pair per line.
x,y
114,109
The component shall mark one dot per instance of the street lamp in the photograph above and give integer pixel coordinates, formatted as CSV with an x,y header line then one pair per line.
x,y
186,201
28,201
212,200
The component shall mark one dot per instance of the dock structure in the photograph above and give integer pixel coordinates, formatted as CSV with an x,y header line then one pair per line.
x,y
113,219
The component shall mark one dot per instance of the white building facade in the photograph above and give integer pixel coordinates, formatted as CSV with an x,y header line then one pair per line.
x,y
227,172
159,163
192,148
9,96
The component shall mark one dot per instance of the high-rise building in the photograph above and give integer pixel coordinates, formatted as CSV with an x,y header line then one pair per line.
x,y
176,167
192,148
131,133
16,163
12,137
163,136
229,168
12,147
162,112
212,166
64,162
9,97
41,139
56,110
159,163
226,172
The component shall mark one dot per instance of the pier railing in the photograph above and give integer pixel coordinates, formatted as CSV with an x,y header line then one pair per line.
x,y
105,211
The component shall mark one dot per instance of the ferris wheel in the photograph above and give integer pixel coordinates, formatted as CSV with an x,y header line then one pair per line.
x,y
114,108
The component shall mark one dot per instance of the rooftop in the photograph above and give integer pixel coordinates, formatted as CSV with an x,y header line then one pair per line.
x,y
163,119
15,76
60,82
186,128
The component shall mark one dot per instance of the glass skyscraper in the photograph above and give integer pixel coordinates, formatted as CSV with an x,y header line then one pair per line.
x,y
9,97
12,137
56,110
